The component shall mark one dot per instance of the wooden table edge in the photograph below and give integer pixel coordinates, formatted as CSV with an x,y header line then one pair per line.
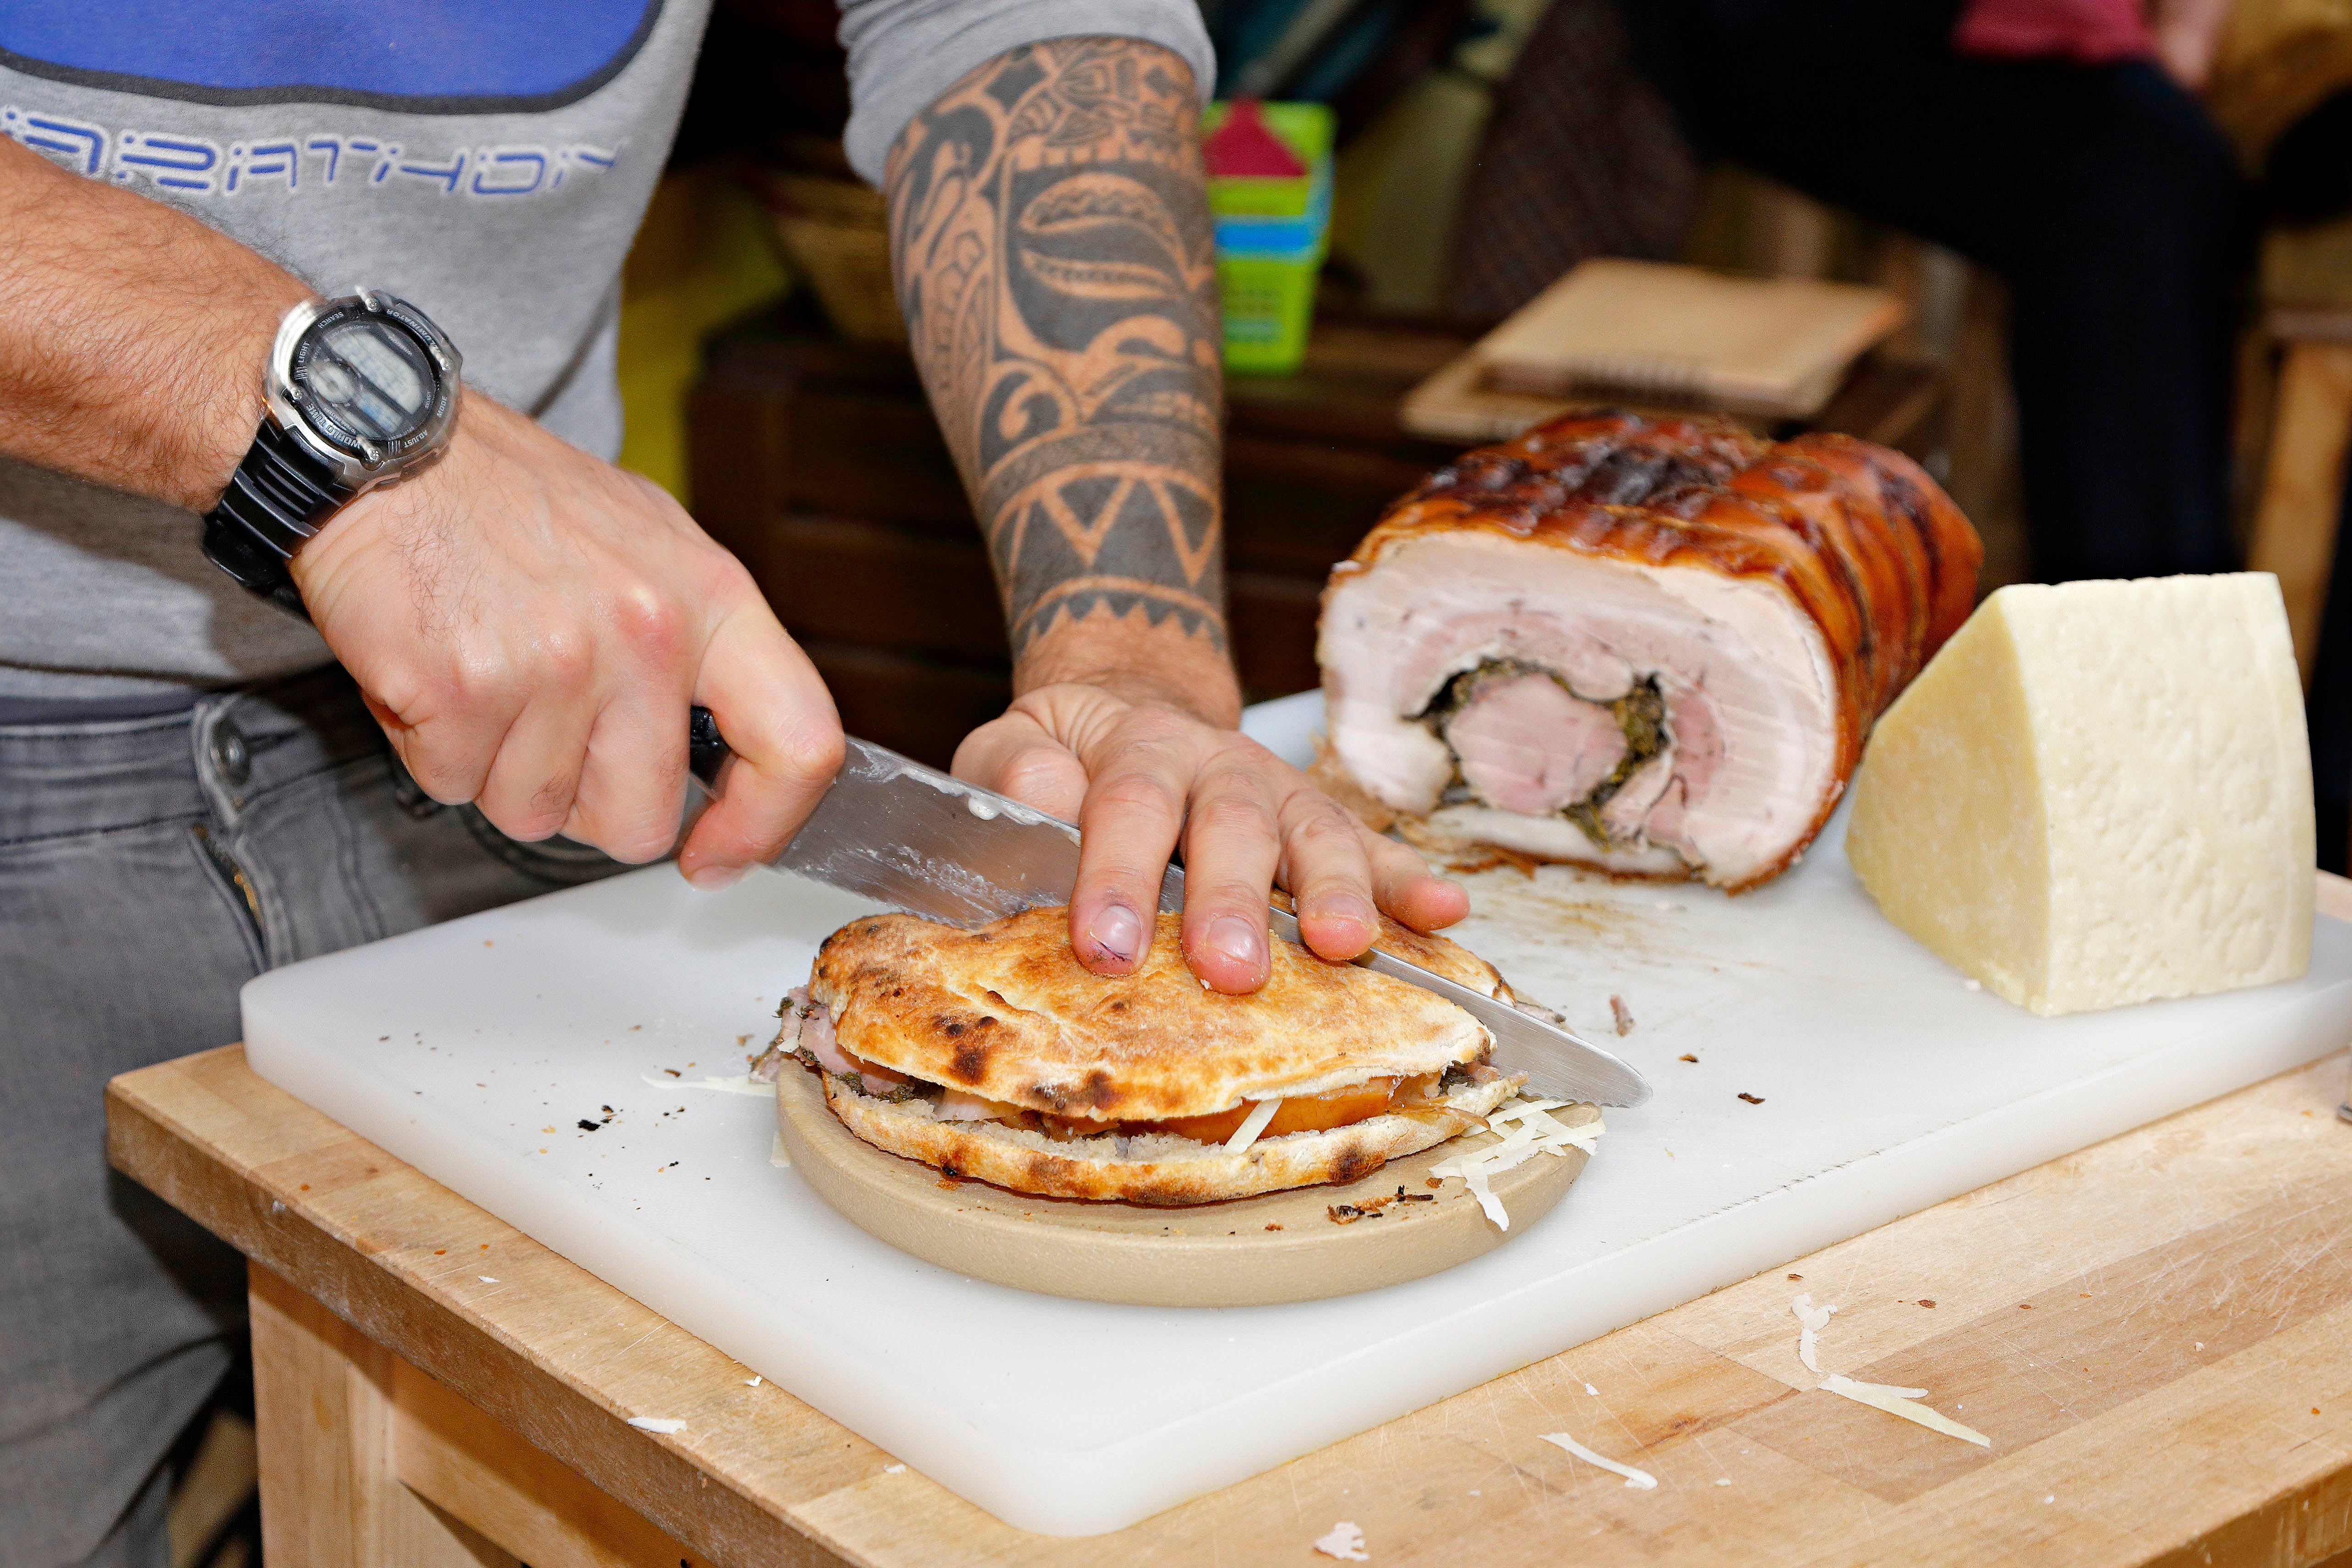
x,y
659,1479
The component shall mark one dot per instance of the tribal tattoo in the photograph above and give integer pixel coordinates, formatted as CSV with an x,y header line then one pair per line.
x,y
1053,259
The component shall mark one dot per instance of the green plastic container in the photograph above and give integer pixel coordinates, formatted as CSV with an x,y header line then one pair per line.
x,y
1272,234
1269,304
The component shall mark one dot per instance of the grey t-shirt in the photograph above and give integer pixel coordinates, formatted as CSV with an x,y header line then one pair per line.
x,y
490,160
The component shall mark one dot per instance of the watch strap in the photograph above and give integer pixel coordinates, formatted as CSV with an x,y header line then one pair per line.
x,y
281,495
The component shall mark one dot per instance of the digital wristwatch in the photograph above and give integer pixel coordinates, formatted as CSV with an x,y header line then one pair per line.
x,y
361,391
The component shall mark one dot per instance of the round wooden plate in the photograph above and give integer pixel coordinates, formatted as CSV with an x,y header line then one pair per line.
x,y
1282,1246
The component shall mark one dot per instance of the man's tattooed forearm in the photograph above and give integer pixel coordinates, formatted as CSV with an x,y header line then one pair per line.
x,y
1054,264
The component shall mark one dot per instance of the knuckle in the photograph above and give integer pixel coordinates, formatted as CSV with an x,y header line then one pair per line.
x,y
1232,811
439,769
1033,770
454,687
566,659
520,823
1155,729
636,848
1118,867
1391,858
443,779
1231,753
1132,791
1218,896
631,833
810,758
652,623
1326,832
552,799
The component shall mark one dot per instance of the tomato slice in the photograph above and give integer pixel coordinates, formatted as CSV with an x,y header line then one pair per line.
x,y
1297,1113
878,1080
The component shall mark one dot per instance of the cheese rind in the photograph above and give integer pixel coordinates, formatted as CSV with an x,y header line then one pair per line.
x,y
2099,793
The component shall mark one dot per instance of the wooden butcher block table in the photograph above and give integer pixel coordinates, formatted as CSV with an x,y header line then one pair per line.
x,y
2158,1329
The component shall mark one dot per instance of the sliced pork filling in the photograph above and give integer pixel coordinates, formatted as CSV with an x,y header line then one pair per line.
x,y
1525,741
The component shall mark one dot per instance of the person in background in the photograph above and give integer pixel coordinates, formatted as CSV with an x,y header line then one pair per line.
x,y
2281,86
2060,145
434,680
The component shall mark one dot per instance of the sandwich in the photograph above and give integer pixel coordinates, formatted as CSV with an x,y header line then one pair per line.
x,y
992,1055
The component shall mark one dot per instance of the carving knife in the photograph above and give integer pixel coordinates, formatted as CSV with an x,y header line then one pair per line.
x,y
919,841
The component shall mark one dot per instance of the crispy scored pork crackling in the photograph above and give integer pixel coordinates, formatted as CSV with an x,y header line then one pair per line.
x,y
992,1055
1650,645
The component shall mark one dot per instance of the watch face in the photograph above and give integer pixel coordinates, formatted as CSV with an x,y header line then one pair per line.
x,y
368,382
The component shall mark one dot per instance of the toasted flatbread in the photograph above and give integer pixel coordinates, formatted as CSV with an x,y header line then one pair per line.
x,y
1159,1168
1007,1013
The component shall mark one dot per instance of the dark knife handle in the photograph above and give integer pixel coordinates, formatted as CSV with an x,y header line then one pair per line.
x,y
706,748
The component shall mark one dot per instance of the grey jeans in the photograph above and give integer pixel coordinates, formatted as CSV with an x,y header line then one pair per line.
x,y
147,868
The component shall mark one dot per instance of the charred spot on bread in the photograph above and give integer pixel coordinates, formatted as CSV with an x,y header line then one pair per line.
x,y
1045,1169
1098,1092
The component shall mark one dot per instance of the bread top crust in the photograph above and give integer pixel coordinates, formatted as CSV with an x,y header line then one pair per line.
x,y
1007,1013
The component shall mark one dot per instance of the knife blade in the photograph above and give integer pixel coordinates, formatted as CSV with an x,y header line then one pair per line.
x,y
921,840
926,842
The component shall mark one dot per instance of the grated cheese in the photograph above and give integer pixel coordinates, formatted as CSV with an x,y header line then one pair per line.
x,y
741,1083
1903,1401
1344,1542
1640,1479
1531,1131
1809,1336
1252,1125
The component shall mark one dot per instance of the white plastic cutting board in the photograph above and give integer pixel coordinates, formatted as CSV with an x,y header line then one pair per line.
x,y
1886,1086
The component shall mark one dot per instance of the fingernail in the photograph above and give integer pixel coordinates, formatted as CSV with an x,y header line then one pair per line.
x,y
1117,932
714,879
1236,938
1346,907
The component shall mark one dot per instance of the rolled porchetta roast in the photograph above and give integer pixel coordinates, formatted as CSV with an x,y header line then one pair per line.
x,y
1650,645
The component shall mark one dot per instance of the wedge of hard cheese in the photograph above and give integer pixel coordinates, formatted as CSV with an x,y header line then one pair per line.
x,y
2099,793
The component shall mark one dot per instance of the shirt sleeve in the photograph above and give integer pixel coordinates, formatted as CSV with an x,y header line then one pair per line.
x,y
903,54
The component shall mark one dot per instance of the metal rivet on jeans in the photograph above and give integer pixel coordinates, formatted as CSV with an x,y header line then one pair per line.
x,y
229,755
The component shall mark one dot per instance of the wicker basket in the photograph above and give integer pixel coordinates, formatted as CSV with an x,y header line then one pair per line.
x,y
837,233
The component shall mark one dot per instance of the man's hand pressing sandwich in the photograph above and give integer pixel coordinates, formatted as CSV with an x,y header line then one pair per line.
x,y
1055,263
1143,777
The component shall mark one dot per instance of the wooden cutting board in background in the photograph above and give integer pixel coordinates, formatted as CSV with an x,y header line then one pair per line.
x,y
1774,347
1656,333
